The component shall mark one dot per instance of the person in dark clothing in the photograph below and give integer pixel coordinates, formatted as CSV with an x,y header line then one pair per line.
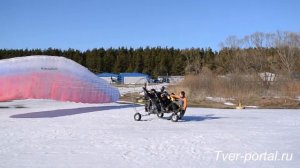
x,y
152,97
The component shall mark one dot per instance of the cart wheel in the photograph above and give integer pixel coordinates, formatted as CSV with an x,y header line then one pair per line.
x,y
160,115
179,115
137,116
174,118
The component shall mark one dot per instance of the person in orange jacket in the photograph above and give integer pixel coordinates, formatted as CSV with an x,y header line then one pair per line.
x,y
182,102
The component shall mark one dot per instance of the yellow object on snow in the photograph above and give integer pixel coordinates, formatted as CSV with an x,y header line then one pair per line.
x,y
240,106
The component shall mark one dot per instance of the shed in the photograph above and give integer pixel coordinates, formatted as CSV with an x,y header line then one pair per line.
x,y
267,76
133,78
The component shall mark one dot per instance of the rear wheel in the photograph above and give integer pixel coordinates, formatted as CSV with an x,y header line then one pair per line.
x,y
137,116
181,114
174,118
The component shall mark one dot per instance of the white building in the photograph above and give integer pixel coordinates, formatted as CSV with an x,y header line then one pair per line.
x,y
133,78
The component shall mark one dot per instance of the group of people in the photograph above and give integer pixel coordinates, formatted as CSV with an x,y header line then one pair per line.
x,y
166,101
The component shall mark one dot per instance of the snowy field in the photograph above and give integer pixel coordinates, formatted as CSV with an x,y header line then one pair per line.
x,y
46,133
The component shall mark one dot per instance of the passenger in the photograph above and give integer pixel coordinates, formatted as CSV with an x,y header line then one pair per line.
x,y
182,102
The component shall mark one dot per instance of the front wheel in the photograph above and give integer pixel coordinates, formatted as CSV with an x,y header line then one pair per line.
x,y
174,118
137,116
160,115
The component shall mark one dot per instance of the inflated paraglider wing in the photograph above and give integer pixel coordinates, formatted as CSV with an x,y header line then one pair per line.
x,y
51,77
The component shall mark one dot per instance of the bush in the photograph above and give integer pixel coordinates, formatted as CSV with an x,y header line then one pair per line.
x,y
238,86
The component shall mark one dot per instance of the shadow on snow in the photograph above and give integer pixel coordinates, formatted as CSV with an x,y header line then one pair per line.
x,y
67,112
200,118
187,118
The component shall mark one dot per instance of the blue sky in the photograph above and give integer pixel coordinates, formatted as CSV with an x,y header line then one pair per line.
x,y
87,24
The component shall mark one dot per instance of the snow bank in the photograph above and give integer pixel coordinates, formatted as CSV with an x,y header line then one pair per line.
x,y
221,100
138,88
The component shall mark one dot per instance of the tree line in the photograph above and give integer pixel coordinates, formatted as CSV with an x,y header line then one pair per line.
x,y
258,52
154,61
277,52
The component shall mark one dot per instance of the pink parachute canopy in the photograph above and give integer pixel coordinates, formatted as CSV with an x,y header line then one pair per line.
x,y
51,77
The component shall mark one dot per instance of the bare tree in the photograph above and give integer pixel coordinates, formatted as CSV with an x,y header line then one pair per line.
x,y
287,45
232,42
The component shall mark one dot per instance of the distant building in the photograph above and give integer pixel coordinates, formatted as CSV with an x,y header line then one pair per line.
x,y
109,77
170,79
267,76
176,79
133,78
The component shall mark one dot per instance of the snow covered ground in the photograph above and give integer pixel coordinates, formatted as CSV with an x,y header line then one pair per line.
x,y
46,133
